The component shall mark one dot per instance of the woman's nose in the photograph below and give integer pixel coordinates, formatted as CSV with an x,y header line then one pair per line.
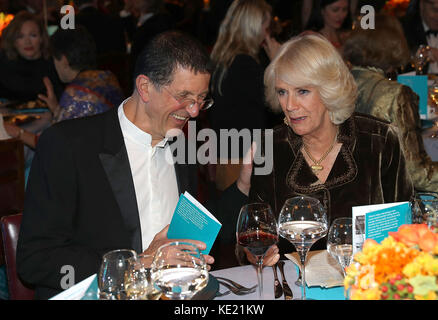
x,y
291,104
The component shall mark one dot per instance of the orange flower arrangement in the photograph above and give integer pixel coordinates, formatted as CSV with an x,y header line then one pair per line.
x,y
5,19
403,266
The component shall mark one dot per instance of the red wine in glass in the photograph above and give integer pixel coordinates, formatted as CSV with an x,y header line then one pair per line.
x,y
257,231
258,242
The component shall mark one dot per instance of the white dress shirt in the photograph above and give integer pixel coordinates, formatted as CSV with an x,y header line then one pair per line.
x,y
154,178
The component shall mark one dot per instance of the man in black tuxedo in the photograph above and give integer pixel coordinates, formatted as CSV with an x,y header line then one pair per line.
x,y
103,182
420,26
107,31
152,21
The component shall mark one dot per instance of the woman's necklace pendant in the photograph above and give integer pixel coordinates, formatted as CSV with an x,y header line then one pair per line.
x,y
317,167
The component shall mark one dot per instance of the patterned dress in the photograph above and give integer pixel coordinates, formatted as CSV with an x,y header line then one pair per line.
x,y
91,92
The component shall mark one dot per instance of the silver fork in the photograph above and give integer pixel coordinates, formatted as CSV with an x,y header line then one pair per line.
x,y
236,291
237,285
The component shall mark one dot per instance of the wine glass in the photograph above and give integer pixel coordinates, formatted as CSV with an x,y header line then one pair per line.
x,y
421,58
179,270
424,208
112,274
340,241
138,281
302,221
257,231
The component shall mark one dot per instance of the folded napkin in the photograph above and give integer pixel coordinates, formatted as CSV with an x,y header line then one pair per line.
x,y
321,269
3,134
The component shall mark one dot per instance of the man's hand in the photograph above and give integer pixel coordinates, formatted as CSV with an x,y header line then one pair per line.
x,y
161,239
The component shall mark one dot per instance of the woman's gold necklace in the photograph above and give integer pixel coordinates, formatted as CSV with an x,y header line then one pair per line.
x,y
316,167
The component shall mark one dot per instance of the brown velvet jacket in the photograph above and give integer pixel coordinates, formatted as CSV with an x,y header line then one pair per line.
x,y
369,169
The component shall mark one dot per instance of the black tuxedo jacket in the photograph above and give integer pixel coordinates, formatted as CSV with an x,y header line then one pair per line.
x,y
80,202
414,31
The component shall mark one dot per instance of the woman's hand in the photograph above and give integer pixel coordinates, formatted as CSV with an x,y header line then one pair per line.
x,y
271,257
50,99
271,46
161,239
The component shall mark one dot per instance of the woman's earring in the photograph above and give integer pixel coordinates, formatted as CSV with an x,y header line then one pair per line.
x,y
285,121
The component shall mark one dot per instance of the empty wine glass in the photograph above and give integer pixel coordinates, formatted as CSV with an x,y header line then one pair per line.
x,y
111,279
257,231
138,280
179,270
340,241
302,221
424,208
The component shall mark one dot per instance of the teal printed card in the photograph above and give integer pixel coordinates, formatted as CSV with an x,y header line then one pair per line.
x,y
419,85
378,223
191,220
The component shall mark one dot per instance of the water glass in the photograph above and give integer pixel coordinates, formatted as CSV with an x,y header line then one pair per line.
x,y
111,278
340,241
179,270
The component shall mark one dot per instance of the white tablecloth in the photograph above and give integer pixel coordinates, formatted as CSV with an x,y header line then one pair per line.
x,y
247,276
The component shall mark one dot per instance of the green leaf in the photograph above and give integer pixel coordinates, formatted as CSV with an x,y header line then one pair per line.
x,y
423,284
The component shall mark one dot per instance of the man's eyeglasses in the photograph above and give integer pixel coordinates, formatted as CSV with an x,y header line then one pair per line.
x,y
204,104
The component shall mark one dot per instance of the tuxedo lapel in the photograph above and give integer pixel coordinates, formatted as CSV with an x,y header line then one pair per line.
x,y
115,162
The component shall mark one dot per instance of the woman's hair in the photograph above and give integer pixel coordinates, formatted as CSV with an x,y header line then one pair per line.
x,y
240,33
312,61
12,31
384,47
77,45
316,20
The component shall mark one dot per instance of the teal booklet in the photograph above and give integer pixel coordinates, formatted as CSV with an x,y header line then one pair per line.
x,y
191,220
376,221
418,84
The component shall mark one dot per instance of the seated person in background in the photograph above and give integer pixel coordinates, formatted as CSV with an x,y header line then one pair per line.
x,y
420,25
372,54
332,19
107,31
88,91
105,182
152,21
324,149
25,60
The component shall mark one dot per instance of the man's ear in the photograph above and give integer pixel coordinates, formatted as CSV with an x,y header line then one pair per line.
x,y
143,84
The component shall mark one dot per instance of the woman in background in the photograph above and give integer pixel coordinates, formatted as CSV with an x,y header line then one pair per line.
x,y
237,81
332,19
25,60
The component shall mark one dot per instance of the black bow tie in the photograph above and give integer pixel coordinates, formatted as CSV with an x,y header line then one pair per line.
x,y
431,32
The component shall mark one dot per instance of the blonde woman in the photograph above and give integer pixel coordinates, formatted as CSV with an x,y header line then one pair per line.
x,y
237,81
324,149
